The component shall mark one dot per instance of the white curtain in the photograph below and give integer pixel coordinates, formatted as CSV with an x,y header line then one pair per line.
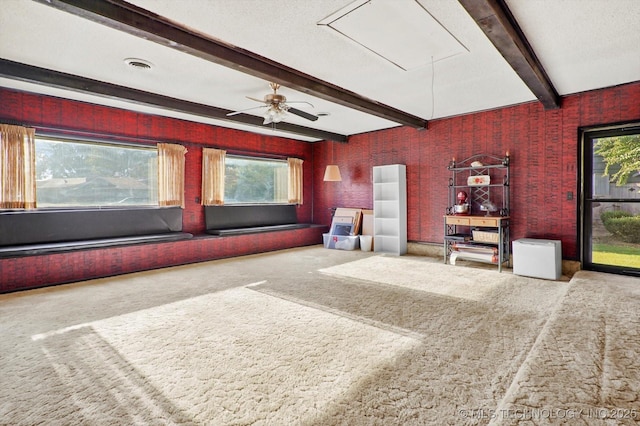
x,y
213,176
295,180
17,167
171,174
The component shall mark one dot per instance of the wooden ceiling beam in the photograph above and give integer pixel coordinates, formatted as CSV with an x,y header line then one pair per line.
x,y
31,74
499,25
123,16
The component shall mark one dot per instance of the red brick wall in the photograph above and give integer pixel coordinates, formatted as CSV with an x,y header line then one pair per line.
x,y
544,151
37,271
55,113
543,147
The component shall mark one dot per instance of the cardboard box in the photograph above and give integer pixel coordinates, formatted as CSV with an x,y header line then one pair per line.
x,y
355,214
367,224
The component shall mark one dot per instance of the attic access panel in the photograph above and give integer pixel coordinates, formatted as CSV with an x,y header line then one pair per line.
x,y
400,31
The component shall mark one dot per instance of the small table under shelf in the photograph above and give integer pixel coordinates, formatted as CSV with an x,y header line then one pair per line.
x,y
452,236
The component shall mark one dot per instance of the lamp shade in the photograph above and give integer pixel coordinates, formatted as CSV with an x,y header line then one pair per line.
x,y
332,173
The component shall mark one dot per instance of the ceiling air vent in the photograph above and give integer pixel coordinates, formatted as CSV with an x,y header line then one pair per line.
x,y
139,64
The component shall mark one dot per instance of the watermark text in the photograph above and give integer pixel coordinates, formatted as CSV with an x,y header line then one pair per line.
x,y
548,413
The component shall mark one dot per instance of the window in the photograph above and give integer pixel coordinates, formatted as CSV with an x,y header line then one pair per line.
x,y
255,180
88,174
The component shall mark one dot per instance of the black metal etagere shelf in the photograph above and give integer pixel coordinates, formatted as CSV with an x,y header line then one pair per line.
x,y
480,230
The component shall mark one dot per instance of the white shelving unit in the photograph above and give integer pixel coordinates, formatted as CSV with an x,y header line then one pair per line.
x,y
390,209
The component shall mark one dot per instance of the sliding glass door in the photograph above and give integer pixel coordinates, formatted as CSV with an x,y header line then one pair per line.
x,y
611,200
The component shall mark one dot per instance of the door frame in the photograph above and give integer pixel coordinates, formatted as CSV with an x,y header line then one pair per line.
x,y
586,135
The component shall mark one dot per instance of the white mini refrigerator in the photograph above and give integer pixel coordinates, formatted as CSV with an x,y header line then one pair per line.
x,y
537,258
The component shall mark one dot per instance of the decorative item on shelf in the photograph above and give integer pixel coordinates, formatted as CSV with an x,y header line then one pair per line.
x,y
479,180
506,159
462,207
477,164
488,207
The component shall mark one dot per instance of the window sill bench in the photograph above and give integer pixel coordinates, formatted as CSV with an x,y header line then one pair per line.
x,y
49,248
258,229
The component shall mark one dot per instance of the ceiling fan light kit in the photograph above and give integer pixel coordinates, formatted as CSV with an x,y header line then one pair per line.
x,y
277,107
274,115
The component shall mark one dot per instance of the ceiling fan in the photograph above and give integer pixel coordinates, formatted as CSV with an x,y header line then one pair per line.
x,y
277,107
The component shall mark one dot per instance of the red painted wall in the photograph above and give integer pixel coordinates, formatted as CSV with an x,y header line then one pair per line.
x,y
544,163
54,113
543,147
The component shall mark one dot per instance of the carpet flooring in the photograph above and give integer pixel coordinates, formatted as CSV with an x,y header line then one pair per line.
x,y
312,336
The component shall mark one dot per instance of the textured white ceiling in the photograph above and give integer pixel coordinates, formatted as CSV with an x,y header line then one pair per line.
x,y
583,45
401,32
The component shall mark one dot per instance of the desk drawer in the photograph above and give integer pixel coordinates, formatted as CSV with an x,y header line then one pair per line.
x,y
452,220
489,221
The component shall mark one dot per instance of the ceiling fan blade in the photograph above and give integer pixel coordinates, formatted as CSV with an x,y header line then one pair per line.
x,y
255,99
302,114
243,110
301,102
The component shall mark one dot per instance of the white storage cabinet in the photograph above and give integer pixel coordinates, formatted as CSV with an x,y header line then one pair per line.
x,y
390,209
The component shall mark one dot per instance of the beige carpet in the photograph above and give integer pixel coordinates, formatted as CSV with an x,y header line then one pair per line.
x,y
317,337
586,363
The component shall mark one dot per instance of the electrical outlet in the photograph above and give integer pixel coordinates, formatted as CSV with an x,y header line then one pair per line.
x,y
569,195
